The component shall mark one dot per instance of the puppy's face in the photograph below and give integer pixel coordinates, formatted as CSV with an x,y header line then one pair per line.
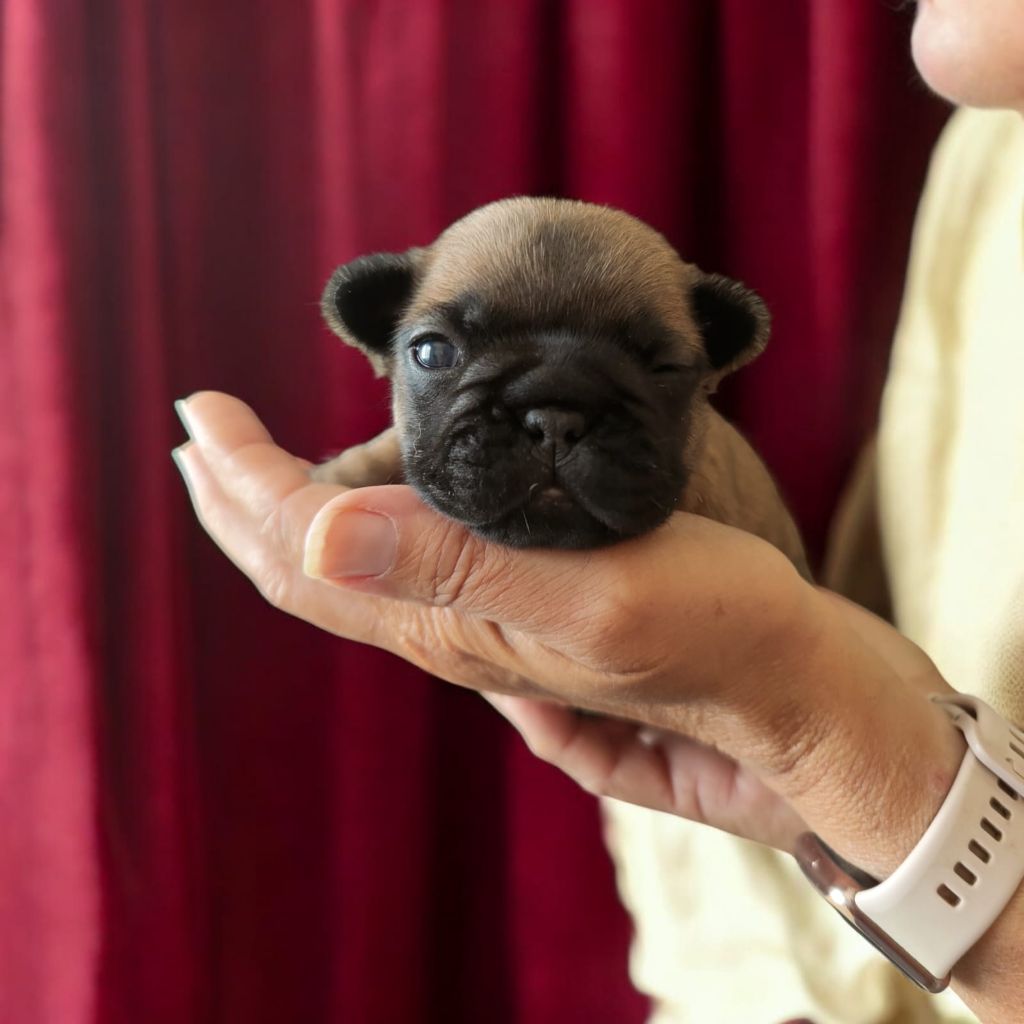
x,y
550,363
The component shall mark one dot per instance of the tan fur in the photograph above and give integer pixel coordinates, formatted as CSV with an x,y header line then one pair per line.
x,y
616,263
731,485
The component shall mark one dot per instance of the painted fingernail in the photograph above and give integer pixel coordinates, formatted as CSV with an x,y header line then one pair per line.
x,y
348,543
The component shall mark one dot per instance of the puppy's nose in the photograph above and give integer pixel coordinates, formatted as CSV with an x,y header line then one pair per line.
x,y
561,428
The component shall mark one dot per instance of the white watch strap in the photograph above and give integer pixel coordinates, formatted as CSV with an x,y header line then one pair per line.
x,y
970,861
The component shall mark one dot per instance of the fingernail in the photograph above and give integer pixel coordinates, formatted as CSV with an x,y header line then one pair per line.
x,y
177,454
182,455
348,543
498,701
649,737
180,407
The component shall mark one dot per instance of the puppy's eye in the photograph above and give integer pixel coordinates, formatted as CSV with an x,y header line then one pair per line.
x,y
668,368
435,352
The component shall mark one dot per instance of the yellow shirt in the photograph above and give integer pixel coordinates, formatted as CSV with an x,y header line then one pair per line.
x,y
951,449
728,931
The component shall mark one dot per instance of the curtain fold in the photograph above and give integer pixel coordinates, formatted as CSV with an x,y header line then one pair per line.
x,y
208,811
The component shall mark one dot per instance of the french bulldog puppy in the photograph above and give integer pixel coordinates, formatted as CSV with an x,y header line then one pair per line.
x,y
551,364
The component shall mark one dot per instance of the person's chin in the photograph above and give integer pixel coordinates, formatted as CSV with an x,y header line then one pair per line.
x,y
933,45
956,61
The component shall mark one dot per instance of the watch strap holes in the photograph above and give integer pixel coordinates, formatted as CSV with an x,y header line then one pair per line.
x,y
987,826
1000,809
1015,747
979,851
965,873
948,895
1008,790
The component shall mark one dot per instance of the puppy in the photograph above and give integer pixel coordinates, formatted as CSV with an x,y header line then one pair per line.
x,y
551,364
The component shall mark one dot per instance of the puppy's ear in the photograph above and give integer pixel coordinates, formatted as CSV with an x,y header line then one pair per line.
x,y
733,321
363,300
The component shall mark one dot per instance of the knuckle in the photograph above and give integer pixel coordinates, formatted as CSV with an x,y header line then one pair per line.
x,y
456,566
546,748
273,584
616,613
445,644
434,643
592,786
556,750
271,577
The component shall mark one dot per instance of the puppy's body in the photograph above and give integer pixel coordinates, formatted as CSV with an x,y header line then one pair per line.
x,y
551,363
731,485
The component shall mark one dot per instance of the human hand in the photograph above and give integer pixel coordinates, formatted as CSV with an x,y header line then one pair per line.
x,y
694,629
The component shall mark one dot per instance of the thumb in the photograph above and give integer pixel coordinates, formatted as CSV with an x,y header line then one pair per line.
x,y
385,541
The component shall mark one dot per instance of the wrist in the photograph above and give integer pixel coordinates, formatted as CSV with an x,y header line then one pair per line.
x,y
954,906
891,772
869,759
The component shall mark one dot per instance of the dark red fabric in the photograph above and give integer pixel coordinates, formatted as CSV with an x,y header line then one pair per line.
x,y
209,812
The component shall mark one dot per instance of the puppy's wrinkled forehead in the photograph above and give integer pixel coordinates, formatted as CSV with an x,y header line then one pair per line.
x,y
554,263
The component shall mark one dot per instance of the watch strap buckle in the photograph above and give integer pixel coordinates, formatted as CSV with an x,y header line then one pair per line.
x,y
995,742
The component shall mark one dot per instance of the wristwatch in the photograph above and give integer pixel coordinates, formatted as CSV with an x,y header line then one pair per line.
x,y
936,905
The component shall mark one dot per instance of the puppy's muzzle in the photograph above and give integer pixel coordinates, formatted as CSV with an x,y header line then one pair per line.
x,y
569,444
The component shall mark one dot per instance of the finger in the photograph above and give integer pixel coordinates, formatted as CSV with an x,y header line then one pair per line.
x,y
269,486
211,507
606,756
353,616
240,452
216,420
653,768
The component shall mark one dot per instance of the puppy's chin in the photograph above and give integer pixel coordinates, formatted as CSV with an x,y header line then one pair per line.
x,y
543,533
571,527
547,516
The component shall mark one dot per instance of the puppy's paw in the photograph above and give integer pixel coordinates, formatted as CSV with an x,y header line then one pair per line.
x,y
340,472
365,465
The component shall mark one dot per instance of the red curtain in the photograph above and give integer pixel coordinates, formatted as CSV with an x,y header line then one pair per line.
x,y
209,812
